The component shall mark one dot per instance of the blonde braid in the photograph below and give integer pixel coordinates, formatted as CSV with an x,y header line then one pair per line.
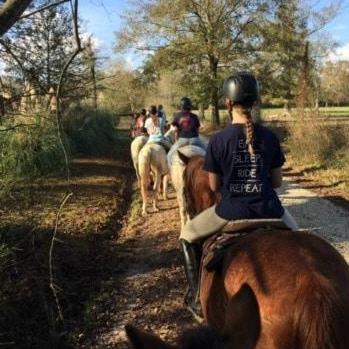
x,y
249,130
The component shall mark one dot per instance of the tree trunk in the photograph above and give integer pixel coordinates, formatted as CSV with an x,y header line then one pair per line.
x,y
201,111
214,90
10,12
93,76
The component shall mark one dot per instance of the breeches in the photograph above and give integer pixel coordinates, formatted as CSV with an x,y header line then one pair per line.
x,y
208,222
181,142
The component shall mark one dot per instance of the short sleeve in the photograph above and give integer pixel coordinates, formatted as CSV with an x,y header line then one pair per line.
x,y
278,156
146,124
211,163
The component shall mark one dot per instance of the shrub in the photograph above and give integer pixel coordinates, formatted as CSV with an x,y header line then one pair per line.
x,y
311,141
91,132
29,151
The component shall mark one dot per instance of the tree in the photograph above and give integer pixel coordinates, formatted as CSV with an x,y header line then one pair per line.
x,y
289,56
122,90
39,44
334,83
195,35
10,12
35,51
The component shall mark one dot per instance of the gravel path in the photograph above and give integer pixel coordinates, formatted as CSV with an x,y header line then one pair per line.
x,y
317,214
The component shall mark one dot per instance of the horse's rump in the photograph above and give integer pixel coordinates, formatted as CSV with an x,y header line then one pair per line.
x,y
301,284
153,156
136,145
177,171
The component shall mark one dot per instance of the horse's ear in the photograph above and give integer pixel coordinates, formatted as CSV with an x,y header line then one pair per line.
x,y
183,157
143,340
243,322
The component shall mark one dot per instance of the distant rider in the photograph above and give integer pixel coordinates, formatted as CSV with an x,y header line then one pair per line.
x,y
155,127
187,127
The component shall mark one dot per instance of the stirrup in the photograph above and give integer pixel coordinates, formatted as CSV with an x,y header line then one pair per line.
x,y
194,307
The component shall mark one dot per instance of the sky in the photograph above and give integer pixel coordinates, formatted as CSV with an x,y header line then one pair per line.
x,y
102,19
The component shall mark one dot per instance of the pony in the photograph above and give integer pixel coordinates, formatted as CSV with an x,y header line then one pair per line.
x,y
152,158
275,289
136,145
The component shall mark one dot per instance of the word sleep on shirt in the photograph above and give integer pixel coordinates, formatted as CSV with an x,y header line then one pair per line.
x,y
246,188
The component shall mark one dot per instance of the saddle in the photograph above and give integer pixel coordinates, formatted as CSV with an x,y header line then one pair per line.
x,y
216,246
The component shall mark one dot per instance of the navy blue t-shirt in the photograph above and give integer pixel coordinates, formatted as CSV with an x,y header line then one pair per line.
x,y
187,123
246,186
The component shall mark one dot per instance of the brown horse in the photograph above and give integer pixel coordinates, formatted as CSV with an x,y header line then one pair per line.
x,y
276,290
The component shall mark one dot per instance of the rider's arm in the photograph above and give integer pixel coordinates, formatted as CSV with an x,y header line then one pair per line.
x,y
175,125
214,181
276,177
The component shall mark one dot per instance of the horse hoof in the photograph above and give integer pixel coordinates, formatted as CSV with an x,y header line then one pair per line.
x,y
156,209
144,214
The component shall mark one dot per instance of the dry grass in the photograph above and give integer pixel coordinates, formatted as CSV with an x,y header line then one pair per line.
x,y
319,152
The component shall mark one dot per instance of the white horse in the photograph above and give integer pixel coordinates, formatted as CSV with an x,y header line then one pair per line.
x,y
138,143
177,169
152,158
136,146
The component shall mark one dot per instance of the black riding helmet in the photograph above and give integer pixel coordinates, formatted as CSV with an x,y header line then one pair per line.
x,y
241,88
185,104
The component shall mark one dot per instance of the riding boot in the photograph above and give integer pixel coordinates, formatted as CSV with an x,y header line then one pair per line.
x,y
192,257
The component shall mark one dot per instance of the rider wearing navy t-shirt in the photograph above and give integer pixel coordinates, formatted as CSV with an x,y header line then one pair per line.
x,y
187,127
244,164
246,183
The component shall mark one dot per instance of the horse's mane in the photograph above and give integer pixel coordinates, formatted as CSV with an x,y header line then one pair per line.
x,y
201,338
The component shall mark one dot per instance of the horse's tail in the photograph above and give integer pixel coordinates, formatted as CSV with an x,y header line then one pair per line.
x,y
136,147
144,160
321,316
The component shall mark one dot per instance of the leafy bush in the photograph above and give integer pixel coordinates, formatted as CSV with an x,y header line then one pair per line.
x,y
91,132
30,151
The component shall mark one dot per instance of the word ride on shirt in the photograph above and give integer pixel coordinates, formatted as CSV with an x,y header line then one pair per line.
x,y
246,188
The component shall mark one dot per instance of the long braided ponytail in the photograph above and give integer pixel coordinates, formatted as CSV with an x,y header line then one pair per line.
x,y
249,131
242,90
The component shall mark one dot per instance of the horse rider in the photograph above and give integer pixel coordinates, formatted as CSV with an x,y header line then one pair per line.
x,y
162,114
244,165
138,127
155,127
187,127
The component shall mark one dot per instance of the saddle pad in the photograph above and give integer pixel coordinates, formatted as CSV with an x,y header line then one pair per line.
x,y
215,247
242,224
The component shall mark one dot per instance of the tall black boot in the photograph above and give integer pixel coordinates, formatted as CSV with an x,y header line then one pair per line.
x,y
192,257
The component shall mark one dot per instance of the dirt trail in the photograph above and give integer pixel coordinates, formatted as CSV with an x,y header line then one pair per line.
x,y
148,285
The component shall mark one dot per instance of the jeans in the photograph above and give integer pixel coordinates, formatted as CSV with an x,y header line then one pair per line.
x,y
181,142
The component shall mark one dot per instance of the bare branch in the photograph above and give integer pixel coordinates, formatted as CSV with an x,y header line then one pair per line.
x,y
11,128
10,12
9,51
43,8
53,286
60,84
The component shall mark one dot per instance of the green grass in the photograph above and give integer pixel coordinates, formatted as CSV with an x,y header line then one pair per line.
x,y
328,112
280,112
